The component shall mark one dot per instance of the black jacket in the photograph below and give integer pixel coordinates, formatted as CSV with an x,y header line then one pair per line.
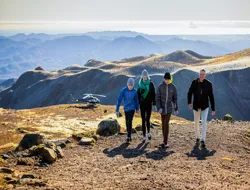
x,y
166,98
150,98
201,92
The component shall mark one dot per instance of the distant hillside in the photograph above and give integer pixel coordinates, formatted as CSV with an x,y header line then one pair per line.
x,y
181,57
22,52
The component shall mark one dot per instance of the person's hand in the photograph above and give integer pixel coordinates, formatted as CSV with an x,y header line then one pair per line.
x,y
154,108
117,114
190,106
176,112
213,113
160,110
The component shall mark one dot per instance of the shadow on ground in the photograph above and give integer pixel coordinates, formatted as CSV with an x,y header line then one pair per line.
x,y
200,154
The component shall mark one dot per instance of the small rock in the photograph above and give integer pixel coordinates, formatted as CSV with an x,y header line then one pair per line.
x,y
5,156
31,176
96,137
62,145
68,141
36,150
13,181
51,145
228,117
138,128
133,131
48,155
21,130
6,170
59,152
32,182
78,136
25,161
87,141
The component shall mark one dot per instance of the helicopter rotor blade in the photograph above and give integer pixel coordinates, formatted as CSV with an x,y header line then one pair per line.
x,y
99,95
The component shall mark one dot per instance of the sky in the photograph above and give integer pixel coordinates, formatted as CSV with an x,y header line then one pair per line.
x,y
147,16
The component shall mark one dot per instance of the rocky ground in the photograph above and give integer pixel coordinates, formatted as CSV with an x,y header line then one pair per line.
x,y
111,164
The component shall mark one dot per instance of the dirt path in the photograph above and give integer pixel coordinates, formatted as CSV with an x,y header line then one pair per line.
x,y
111,164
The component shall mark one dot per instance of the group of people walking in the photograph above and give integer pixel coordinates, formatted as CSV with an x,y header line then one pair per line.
x,y
164,100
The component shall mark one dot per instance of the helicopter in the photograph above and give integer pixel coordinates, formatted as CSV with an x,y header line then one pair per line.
x,y
90,99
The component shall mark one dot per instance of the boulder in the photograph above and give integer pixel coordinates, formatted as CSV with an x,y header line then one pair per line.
x,y
108,127
30,140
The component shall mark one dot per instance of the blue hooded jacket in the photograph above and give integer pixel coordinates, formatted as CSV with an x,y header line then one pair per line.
x,y
130,100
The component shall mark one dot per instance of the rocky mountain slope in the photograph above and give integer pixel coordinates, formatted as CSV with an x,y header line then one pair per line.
x,y
111,164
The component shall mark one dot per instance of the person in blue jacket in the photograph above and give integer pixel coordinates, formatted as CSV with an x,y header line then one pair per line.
x,y
131,104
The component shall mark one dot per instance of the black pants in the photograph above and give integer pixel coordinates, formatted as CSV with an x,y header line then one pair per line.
x,y
145,116
165,126
129,118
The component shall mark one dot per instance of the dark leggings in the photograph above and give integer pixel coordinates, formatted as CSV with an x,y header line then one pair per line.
x,y
165,126
129,118
145,116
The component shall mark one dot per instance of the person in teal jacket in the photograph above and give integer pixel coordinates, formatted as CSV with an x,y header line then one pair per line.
x,y
131,104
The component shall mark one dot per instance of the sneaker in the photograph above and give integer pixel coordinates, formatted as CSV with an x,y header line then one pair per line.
x,y
130,139
149,136
166,145
197,141
203,145
144,139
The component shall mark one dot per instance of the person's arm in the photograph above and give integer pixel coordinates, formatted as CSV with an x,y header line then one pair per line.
x,y
190,93
153,92
158,98
175,97
139,94
119,100
136,102
211,98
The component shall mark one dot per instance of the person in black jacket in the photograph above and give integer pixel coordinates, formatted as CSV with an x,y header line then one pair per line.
x,y
202,91
146,96
166,102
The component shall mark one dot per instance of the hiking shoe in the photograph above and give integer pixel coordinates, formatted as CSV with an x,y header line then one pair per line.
x,y
149,136
144,139
203,145
197,141
166,145
128,140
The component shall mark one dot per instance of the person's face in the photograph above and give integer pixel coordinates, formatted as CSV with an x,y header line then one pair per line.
x,y
202,75
130,87
166,81
145,78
